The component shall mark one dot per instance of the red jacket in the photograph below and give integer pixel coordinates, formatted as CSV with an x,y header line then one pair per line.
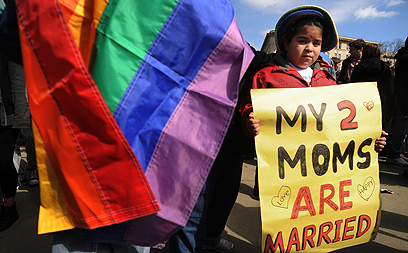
x,y
279,74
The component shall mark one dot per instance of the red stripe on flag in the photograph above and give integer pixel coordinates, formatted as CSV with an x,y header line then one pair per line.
x,y
83,114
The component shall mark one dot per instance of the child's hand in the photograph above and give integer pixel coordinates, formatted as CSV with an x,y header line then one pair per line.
x,y
252,124
381,142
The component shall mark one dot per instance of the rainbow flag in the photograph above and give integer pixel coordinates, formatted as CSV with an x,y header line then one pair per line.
x,y
130,101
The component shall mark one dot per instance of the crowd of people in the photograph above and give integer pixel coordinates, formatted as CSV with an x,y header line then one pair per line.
x,y
365,65
300,33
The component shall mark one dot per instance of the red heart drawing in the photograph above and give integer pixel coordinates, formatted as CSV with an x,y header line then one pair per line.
x,y
369,105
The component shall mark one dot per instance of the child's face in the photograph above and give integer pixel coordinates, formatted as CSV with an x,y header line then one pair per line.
x,y
304,48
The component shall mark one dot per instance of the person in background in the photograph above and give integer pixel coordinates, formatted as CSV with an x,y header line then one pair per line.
x,y
26,139
373,69
348,65
337,66
14,116
398,130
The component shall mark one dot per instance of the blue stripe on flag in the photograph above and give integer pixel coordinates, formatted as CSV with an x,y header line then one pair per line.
x,y
171,63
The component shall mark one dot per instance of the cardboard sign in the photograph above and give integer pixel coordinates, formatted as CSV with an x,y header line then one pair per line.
x,y
318,170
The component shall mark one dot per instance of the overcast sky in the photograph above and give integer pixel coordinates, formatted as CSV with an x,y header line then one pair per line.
x,y
373,20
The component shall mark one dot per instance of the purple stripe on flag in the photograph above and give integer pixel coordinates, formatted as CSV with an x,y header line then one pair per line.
x,y
191,140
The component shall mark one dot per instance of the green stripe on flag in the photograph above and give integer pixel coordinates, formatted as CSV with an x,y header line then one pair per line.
x,y
124,35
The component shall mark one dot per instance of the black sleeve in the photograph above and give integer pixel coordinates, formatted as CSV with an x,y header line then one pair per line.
x,y
10,47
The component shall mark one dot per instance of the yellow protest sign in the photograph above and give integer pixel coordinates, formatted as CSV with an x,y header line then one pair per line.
x,y
318,170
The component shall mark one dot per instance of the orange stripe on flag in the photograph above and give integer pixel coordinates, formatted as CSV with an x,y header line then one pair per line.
x,y
83,17
77,178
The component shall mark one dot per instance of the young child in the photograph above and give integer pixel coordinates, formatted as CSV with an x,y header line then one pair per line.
x,y
300,34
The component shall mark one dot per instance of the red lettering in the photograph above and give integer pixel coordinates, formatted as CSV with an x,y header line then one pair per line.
x,y
308,238
293,239
343,194
338,226
347,123
327,199
274,246
323,235
304,192
347,228
361,220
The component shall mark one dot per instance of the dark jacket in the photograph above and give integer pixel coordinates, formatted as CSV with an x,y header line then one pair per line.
x,y
9,35
369,70
374,70
6,103
401,79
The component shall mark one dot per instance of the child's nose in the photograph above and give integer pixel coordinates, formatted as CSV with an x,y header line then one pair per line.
x,y
308,47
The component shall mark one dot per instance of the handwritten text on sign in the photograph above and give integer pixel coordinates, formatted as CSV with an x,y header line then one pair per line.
x,y
318,171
